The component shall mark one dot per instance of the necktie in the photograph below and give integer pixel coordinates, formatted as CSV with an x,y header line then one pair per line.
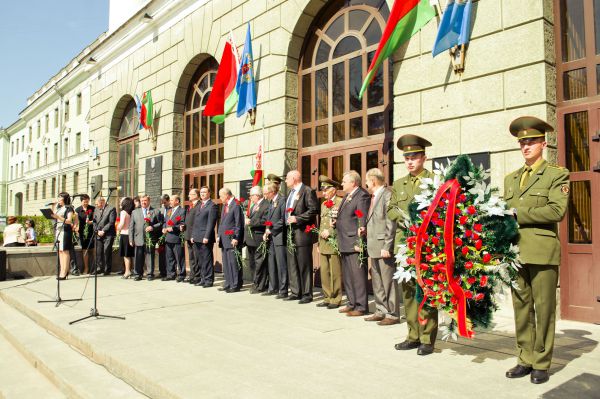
x,y
372,201
145,212
226,208
289,203
525,176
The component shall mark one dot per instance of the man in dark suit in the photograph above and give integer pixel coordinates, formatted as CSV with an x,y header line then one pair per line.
x,y
276,234
144,220
165,205
175,255
203,238
105,217
351,215
255,230
231,236
302,209
194,197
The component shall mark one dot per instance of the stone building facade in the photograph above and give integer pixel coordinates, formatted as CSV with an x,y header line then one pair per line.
x,y
309,57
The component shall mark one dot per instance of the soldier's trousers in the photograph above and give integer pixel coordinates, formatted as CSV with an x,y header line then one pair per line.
x,y
534,303
330,267
416,332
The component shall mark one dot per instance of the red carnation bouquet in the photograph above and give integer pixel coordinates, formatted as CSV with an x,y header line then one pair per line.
x,y
459,247
291,246
181,232
86,229
117,239
147,237
236,251
361,243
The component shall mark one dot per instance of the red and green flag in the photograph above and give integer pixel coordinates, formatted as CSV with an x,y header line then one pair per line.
x,y
406,18
147,111
223,96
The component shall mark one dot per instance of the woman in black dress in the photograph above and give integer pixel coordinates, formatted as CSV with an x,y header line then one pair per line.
x,y
126,251
63,230
85,216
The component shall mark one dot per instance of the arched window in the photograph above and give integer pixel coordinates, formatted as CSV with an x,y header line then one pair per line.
x,y
337,130
127,145
204,151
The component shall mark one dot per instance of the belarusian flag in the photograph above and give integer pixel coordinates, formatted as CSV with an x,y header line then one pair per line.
x,y
223,96
147,114
406,18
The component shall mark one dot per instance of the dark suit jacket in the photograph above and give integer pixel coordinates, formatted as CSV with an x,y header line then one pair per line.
x,y
173,236
107,222
275,215
306,208
232,220
189,219
205,220
346,223
258,217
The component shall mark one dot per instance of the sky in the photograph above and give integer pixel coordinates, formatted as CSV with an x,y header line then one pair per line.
x,y
37,39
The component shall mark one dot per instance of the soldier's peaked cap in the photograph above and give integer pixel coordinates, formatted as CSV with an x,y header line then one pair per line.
x,y
327,182
411,144
274,178
529,127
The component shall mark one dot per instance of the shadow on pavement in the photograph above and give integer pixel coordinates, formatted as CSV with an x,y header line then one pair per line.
x,y
583,386
568,346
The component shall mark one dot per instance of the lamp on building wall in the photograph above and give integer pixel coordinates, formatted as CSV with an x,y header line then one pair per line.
x,y
91,61
147,18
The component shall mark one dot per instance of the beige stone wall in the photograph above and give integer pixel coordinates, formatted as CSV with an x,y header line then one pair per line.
x,y
509,73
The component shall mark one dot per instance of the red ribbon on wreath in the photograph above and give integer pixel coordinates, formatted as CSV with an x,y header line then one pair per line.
x,y
461,307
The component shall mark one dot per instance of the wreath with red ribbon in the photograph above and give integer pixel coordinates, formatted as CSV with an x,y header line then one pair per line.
x,y
460,246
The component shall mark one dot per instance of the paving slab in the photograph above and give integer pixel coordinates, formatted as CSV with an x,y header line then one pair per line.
x,y
182,341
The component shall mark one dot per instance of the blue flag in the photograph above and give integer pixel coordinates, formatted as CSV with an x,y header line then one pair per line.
x,y
138,108
455,28
245,82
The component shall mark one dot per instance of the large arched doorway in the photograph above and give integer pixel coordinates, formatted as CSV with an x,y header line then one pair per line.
x,y
204,150
127,151
337,131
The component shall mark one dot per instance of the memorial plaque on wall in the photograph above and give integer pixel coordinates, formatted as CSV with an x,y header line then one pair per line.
x,y
245,186
479,159
154,180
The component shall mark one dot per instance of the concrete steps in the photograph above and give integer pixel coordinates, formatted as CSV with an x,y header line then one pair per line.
x,y
56,369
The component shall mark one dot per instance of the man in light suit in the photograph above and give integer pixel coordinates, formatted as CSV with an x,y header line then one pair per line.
x,y
255,230
194,197
144,220
276,234
351,215
302,209
203,238
381,232
175,256
231,236
105,217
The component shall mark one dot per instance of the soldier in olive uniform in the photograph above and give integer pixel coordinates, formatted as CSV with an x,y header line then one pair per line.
x,y
329,264
403,193
538,194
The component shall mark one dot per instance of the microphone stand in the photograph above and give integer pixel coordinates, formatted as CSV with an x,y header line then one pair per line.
x,y
94,311
55,247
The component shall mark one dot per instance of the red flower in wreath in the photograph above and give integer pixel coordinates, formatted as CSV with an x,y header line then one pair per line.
x,y
486,258
268,223
477,227
471,280
479,296
465,251
468,265
478,245
471,210
458,242
359,214
463,219
329,204
483,280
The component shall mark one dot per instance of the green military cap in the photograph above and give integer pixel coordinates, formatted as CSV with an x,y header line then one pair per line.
x,y
273,178
411,144
326,182
529,127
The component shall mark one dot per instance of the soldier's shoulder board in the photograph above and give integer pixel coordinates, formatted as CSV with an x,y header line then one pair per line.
x,y
561,168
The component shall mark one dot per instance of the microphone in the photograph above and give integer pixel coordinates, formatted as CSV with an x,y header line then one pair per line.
x,y
50,203
77,195
115,188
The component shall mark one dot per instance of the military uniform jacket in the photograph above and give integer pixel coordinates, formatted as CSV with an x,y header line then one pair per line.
x,y
540,205
325,217
403,193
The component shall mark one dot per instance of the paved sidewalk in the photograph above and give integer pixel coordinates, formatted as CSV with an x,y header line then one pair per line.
x,y
184,341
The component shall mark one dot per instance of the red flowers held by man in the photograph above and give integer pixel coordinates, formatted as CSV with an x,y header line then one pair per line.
x,y
328,204
88,212
147,220
359,214
229,232
178,218
170,223
290,210
268,223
